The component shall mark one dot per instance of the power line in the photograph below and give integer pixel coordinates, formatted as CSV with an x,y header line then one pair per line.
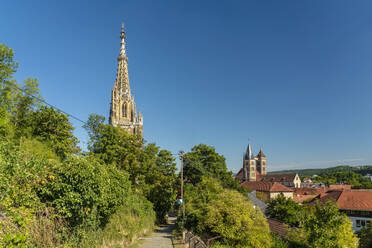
x,y
45,102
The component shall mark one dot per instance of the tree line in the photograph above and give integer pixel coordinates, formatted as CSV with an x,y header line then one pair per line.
x,y
54,195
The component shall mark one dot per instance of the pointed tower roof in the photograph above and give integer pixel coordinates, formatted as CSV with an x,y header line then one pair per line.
x,y
261,154
122,54
249,153
122,77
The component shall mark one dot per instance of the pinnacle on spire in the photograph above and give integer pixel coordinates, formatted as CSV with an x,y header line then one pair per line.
x,y
122,43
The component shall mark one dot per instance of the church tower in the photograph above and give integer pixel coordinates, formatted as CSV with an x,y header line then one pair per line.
x,y
123,111
261,163
249,165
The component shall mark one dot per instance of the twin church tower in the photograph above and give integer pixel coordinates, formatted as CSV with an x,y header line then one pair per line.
x,y
123,111
254,167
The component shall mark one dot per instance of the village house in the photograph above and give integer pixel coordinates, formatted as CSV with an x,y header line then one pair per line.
x,y
266,191
356,204
289,180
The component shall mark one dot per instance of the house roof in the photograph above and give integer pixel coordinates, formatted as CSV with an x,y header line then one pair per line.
x,y
309,191
279,177
301,198
350,200
239,175
266,186
261,154
340,186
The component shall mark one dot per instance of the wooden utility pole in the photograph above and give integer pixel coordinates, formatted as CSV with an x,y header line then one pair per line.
x,y
183,201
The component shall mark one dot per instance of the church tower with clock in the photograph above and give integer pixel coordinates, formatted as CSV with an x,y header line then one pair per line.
x,y
123,111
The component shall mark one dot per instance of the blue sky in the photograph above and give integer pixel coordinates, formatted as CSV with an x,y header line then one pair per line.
x,y
293,76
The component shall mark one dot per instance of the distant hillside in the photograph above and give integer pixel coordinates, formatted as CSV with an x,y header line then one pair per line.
x,y
363,170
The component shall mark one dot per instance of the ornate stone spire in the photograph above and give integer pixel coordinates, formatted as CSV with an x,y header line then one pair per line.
x,y
122,77
123,111
122,54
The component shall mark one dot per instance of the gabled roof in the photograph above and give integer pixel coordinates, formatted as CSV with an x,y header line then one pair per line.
x,y
279,177
239,175
301,198
261,154
349,200
266,186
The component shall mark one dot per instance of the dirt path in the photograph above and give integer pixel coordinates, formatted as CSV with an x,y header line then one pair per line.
x,y
161,238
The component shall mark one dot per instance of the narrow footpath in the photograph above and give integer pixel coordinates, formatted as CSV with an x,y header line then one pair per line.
x,y
162,237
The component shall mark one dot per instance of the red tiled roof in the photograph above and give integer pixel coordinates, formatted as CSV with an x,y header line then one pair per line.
x,y
301,198
266,186
258,176
341,187
277,227
355,200
309,191
351,200
279,177
239,175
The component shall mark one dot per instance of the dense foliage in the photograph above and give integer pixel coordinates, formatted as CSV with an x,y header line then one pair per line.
x,y
352,178
286,210
51,195
204,161
316,225
365,236
363,170
151,171
339,175
214,211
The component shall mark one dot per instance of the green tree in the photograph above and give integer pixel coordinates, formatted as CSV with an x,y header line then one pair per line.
x,y
150,170
17,101
286,210
213,211
325,226
7,65
204,161
53,127
365,236
162,184
84,192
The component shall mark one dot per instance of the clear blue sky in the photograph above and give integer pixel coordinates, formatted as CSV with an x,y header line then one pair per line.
x,y
293,76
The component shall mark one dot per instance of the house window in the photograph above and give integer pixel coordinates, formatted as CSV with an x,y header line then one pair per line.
x,y
263,163
357,223
363,223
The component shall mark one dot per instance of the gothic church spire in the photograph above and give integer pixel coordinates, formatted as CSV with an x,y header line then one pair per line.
x,y
123,111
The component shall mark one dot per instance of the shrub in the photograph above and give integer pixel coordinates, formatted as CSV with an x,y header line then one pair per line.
x,y
214,211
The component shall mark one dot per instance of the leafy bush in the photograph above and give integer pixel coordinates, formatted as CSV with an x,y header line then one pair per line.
x,y
213,211
84,191
133,219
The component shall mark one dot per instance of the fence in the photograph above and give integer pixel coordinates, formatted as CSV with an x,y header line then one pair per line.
x,y
193,241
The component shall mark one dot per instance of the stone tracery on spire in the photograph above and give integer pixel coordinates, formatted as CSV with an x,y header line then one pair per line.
x,y
123,111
